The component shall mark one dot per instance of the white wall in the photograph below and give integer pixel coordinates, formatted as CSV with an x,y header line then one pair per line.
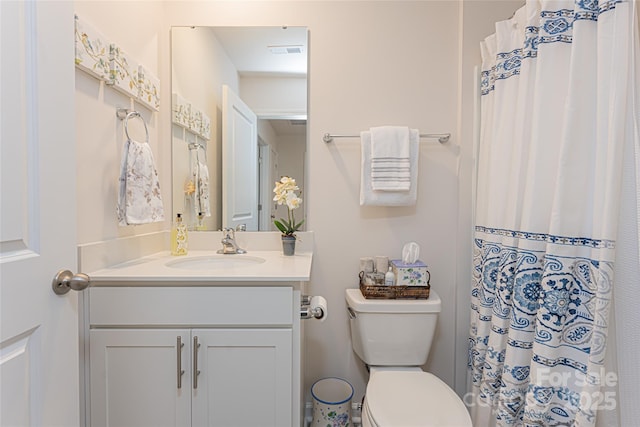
x,y
371,63
291,155
199,78
291,152
274,95
100,135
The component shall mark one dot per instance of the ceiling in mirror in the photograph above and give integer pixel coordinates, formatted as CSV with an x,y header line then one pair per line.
x,y
265,50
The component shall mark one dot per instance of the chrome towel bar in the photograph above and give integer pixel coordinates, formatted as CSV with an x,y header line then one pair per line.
x,y
442,137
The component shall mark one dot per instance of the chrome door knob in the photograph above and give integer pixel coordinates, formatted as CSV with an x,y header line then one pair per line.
x,y
65,280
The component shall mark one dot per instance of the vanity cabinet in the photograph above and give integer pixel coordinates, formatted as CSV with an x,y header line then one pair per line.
x,y
245,378
133,379
194,356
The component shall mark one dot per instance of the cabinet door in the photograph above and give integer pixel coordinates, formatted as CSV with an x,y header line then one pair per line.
x,y
134,378
245,378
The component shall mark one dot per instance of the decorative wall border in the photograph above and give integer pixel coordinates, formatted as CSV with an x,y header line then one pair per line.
x,y
124,72
185,115
149,86
91,50
108,62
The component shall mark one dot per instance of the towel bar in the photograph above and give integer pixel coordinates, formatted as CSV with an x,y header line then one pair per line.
x,y
442,137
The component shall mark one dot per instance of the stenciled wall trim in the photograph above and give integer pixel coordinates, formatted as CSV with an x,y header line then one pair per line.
x,y
108,62
187,116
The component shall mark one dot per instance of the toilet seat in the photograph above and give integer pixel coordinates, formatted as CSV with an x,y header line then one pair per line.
x,y
412,399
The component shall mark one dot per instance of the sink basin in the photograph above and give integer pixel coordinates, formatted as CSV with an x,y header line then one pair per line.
x,y
214,262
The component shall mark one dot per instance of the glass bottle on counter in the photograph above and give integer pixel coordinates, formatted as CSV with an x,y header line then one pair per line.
x,y
200,222
389,277
179,237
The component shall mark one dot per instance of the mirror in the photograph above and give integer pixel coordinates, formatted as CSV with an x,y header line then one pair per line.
x,y
265,68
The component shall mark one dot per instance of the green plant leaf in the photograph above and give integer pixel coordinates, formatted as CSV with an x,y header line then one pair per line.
x,y
286,223
280,226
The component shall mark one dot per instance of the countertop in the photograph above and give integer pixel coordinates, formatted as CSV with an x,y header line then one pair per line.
x,y
156,270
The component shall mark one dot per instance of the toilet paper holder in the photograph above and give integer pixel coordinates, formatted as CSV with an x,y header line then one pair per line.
x,y
309,312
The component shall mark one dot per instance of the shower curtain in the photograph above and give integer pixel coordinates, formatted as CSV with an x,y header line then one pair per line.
x,y
557,92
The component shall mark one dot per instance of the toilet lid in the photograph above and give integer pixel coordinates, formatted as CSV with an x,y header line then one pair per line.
x,y
409,399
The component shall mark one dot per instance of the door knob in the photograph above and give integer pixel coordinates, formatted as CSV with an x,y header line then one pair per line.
x,y
65,280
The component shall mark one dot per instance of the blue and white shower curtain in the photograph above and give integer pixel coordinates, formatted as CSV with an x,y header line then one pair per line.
x,y
556,112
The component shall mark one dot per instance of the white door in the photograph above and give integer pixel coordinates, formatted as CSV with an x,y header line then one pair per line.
x,y
245,378
275,176
240,162
266,184
38,329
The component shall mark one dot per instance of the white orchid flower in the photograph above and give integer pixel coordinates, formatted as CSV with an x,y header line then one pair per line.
x,y
285,194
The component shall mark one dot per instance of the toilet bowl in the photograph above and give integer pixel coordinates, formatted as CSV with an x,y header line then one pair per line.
x,y
393,338
411,398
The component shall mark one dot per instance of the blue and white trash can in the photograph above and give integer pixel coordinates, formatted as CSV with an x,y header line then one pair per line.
x,y
331,402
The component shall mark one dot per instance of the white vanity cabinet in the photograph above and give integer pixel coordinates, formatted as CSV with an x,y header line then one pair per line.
x,y
194,356
245,378
133,378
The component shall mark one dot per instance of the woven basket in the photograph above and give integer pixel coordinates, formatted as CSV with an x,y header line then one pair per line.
x,y
395,292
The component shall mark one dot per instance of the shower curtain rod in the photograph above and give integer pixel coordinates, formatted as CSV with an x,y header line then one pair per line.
x,y
442,137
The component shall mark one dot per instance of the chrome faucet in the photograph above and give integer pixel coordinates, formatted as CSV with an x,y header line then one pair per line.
x,y
229,245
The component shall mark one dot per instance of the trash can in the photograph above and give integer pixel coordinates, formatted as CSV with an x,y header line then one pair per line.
x,y
331,402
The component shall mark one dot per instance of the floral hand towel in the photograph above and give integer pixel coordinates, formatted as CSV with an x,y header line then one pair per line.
x,y
202,194
139,200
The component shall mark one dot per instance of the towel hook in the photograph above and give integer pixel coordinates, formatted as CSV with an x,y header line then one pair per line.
x,y
125,114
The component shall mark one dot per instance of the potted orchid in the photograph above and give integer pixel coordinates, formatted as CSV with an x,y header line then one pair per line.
x,y
285,194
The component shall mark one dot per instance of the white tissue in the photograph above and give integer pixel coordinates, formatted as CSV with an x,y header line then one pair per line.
x,y
321,303
410,253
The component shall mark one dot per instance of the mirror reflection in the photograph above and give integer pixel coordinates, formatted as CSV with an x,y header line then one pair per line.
x,y
239,113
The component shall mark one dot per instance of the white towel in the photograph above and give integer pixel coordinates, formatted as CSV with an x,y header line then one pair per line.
x,y
390,162
370,197
139,200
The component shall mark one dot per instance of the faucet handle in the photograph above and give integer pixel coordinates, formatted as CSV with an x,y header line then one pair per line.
x,y
241,227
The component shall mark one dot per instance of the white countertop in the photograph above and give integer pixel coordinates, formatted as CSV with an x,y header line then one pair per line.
x,y
153,270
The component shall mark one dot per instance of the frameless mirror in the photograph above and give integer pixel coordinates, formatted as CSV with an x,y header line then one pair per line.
x,y
239,113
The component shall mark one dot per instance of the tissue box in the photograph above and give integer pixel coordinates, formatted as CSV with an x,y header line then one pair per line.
x,y
414,274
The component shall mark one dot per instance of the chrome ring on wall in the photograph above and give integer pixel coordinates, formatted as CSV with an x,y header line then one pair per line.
x,y
126,122
125,114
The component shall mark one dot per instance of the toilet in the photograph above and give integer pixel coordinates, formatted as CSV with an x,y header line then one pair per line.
x,y
393,338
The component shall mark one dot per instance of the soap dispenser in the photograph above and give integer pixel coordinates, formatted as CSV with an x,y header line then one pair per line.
x,y
179,237
200,222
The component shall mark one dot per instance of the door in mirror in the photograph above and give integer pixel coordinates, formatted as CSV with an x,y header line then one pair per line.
x,y
240,163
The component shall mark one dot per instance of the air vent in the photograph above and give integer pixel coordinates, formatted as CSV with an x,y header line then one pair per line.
x,y
297,122
286,49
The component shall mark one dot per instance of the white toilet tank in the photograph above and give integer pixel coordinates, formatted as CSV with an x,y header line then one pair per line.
x,y
392,332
